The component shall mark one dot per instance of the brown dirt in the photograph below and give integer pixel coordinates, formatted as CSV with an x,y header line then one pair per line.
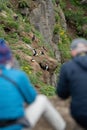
x,y
63,108
36,62
71,30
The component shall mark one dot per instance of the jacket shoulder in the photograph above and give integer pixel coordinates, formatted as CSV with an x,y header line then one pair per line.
x,y
17,73
68,64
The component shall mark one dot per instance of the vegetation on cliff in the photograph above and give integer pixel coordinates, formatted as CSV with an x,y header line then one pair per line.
x,y
18,33
22,37
76,16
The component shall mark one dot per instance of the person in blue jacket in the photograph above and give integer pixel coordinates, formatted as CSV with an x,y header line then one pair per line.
x,y
73,81
16,90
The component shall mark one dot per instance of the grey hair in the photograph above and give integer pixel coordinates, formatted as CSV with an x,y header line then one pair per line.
x,y
78,41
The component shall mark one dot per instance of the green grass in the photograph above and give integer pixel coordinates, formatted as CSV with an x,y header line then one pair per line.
x,y
48,90
56,29
76,15
53,1
26,40
64,40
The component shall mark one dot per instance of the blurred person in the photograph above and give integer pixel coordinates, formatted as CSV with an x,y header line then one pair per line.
x,y
73,81
15,91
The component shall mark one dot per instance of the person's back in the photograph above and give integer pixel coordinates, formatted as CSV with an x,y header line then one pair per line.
x,y
11,102
73,82
12,98
76,76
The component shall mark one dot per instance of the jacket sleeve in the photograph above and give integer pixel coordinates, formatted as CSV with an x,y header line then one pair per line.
x,y
29,92
63,84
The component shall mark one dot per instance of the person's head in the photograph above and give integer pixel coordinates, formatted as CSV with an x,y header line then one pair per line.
x,y
5,53
78,46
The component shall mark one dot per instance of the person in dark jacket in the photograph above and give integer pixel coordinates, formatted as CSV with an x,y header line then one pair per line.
x,y
16,90
73,81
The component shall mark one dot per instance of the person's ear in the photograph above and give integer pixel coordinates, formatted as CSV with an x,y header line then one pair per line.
x,y
73,53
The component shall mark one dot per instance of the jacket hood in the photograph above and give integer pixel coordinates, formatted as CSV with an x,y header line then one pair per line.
x,y
81,61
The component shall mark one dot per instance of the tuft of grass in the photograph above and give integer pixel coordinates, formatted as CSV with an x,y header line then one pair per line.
x,y
34,79
48,90
22,4
56,29
26,40
53,1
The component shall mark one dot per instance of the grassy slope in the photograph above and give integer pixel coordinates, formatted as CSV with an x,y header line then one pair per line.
x,y
18,33
76,16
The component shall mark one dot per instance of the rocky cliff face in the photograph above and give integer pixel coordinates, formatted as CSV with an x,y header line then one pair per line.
x,y
41,14
43,19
